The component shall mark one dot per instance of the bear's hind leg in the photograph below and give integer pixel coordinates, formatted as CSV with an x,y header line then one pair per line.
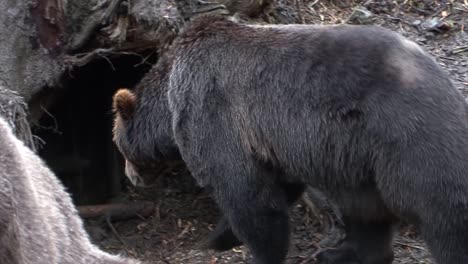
x,y
443,222
447,240
432,193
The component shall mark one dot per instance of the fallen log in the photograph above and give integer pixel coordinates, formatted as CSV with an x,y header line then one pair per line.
x,y
117,211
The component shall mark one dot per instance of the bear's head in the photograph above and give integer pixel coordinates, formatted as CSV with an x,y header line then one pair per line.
x,y
124,106
142,132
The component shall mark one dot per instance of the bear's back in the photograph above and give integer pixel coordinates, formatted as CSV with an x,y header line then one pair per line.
x,y
325,60
293,91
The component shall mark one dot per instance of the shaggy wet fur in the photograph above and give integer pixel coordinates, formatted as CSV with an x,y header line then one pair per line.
x,y
38,222
257,112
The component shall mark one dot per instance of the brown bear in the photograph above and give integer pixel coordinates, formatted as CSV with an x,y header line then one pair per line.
x,y
38,222
259,112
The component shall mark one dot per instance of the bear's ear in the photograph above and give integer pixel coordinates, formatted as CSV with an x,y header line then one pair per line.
x,y
124,103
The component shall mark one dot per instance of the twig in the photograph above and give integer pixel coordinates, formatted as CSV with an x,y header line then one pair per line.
x,y
349,17
313,3
307,260
181,234
421,11
299,11
439,11
107,59
447,58
120,31
144,60
311,205
461,9
39,142
82,59
55,128
114,231
399,19
459,49
410,246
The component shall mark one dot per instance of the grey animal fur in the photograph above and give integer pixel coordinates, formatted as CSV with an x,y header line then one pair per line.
x,y
359,112
14,110
38,222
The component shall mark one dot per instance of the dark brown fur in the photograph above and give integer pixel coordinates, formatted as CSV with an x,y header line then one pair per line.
x,y
359,112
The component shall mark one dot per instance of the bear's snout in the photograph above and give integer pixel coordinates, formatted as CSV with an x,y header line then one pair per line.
x,y
133,175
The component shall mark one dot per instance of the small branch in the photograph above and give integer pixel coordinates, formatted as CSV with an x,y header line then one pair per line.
x,y
82,59
108,60
313,3
447,58
299,11
144,60
311,205
439,11
120,31
459,49
410,246
116,234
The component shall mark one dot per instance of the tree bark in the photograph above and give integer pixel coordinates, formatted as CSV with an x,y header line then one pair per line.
x,y
42,39
28,50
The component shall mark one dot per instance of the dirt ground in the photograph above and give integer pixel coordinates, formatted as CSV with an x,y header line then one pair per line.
x,y
184,213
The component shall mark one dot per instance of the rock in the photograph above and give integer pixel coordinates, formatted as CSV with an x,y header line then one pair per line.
x,y
417,22
437,25
361,15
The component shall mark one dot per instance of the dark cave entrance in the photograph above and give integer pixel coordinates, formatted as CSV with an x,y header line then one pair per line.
x,y
76,127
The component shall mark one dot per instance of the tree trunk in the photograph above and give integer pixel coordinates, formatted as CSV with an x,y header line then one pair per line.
x,y
43,39
30,45
45,49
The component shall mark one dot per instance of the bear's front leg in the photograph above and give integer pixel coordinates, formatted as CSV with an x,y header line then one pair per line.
x,y
249,192
222,238
256,208
369,229
365,243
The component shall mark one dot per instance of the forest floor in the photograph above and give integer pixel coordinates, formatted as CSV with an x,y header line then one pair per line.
x,y
185,214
